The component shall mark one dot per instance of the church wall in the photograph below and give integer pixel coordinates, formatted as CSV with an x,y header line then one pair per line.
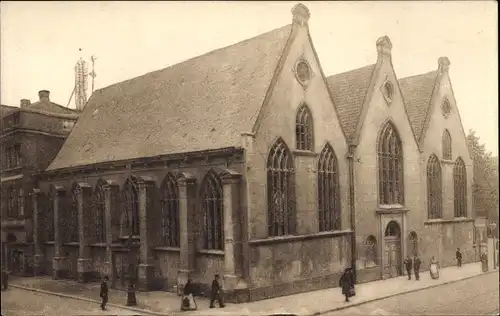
x,y
207,263
283,265
368,222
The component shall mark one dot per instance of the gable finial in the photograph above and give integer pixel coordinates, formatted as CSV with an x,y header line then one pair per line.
x,y
384,46
301,14
443,64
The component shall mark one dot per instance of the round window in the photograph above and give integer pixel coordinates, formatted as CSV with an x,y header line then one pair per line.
x,y
388,90
303,71
446,107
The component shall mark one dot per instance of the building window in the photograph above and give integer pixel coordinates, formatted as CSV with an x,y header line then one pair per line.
x,y
13,202
370,251
72,225
170,212
434,188
304,129
388,92
446,108
20,203
132,207
328,190
390,165
16,120
213,212
100,214
447,145
460,188
280,191
50,218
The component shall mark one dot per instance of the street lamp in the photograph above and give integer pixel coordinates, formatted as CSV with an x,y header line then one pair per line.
x,y
131,299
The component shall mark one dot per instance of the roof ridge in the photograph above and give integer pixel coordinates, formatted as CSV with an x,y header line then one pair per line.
x,y
351,70
417,75
198,56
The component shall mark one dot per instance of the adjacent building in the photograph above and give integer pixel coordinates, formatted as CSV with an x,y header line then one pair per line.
x,y
31,136
250,163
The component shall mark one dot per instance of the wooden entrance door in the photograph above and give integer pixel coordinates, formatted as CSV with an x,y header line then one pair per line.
x,y
392,245
120,267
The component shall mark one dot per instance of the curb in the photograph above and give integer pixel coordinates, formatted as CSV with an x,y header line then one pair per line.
x,y
142,311
397,294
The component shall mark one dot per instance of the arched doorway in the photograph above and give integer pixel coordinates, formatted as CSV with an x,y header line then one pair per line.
x,y
412,244
392,245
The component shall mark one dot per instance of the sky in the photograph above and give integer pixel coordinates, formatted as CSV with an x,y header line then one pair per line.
x,y
40,43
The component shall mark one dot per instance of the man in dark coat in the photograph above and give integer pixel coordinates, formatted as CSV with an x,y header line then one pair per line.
x,y
347,283
104,293
416,267
216,293
408,265
458,255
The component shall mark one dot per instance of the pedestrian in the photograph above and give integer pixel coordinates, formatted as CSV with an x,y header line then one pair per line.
x,y
104,293
484,262
216,294
416,267
346,282
408,265
458,255
188,302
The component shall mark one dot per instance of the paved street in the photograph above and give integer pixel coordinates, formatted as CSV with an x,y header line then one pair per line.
x,y
476,296
16,302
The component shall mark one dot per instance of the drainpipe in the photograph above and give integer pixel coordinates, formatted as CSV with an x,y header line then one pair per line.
x,y
352,208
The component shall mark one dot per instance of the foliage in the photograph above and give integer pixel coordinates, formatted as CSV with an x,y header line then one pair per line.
x,y
485,184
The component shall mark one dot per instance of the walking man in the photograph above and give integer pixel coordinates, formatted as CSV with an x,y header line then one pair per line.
x,y
416,267
104,293
458,255
216,293
408,265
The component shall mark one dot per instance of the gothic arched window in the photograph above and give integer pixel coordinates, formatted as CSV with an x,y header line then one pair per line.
x,y
446,147
370,251
460,188
328,190
212,200
12,206
72,217
390,166
170,211
100,213
434,188
132,206
304,129
280,191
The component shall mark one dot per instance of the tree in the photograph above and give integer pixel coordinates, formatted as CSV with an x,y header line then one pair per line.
x,y
485,181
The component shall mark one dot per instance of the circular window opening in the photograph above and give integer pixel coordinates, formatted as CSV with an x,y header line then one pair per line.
x,y
446,107
388,90
303,71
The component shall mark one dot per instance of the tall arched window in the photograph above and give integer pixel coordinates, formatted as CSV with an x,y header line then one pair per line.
x,y
280,191
370,251
390,165
434,188
447,145
170,211
72,217
213,212
12,206
49,216
460,188
132,206
328,190
100,213
304,128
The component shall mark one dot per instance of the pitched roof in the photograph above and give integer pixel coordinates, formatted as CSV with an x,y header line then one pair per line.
x,y
202,103
51,107
348,91
417,92
6,109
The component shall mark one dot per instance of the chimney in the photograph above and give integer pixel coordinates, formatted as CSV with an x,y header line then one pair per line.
x,y
384,47
300,14
25,103
44,95
443,65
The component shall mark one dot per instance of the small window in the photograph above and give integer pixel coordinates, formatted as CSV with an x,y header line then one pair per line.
x,y
388,91
370,251
446,108
16,119
303,71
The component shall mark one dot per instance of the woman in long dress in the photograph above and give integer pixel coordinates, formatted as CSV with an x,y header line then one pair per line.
x,y
434,268
188,303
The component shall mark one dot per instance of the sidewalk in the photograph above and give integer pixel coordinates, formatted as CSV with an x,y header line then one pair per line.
x,y
310,303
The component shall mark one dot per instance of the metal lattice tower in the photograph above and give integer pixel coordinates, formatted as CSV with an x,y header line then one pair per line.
x,y
81,84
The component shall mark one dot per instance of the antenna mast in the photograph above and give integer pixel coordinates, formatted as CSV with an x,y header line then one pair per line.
x,y
93,74
80,84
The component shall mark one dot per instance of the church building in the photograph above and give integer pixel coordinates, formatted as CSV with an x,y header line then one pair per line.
x,y
250,163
